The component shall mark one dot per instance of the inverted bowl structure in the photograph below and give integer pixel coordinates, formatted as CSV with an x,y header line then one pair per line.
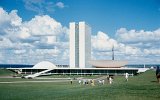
x,y
108,63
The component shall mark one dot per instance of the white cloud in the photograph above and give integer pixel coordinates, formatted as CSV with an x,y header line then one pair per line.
x,y
127,47
35,5
133,36
155,52
44,25
41,38
145,43
9,22
19,51
24,33
51,39
6,43
102,45
42,6
11,18
132,50
44,38
60,4
102,42
65,55
51,52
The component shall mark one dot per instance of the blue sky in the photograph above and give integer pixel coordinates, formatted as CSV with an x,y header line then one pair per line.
x,y
112,21
104,15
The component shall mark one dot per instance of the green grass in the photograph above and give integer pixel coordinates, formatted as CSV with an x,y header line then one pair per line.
x,y
5,72
141,87
73,76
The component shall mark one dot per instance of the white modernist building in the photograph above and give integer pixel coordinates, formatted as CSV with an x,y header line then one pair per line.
x,y
80,59
80,45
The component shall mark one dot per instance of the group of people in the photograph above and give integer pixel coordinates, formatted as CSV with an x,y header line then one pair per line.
x,y
92,82
101,82
86,82
126,76
110,79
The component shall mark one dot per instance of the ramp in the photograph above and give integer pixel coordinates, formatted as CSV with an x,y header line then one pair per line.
x,y
141,70
37,74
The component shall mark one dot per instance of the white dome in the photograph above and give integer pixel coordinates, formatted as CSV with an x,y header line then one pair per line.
x,y
44,65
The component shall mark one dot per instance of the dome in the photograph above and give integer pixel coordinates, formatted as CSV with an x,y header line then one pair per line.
x,y
44,65
108,63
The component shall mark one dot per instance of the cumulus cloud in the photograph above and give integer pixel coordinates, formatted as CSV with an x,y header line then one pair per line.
x,y
102,42
19,51
24,33
127,46
141,39
155,52
9,22
44,38
6,43
31,40
133,36
11,18
43,25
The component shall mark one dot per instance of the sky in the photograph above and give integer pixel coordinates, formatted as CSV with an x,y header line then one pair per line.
x,y
35,30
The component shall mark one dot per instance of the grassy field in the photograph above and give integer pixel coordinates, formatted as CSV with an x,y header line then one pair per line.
x,y
141,87
5,72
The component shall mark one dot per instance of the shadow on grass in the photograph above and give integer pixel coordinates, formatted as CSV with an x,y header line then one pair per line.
x,y
154,81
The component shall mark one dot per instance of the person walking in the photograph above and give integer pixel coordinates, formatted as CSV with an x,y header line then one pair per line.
x,y
126,76
71,81
103,82
92,82
110,80
158,74
79,82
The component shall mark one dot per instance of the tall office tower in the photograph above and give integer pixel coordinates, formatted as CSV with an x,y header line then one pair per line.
x,y
80,45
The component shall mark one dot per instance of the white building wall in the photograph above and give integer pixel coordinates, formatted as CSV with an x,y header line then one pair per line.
x,y
72,45
84,45
80,45
88,46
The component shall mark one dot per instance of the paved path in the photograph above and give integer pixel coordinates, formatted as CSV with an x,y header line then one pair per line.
x,y
35,81
8,77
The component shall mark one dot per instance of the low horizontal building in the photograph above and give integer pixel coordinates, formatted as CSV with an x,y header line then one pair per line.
x,y
50,68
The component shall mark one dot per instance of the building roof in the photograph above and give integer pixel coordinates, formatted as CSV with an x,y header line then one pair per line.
x,y
108,63
44,65
122,68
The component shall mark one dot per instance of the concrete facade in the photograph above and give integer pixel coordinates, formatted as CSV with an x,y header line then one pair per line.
x,y
80,45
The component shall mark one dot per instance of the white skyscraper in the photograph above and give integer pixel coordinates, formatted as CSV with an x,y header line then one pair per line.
x,y
80,45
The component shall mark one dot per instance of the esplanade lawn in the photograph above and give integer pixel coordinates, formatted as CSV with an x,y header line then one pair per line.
x,y
140,87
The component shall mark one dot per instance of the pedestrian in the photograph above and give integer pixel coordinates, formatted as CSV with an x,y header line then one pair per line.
x,y
99,81
103,82
84,82
110,80
79,82
71,81
126,76
158,74
92,82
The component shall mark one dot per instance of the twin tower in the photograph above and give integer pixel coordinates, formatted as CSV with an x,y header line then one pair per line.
x,y
80,45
